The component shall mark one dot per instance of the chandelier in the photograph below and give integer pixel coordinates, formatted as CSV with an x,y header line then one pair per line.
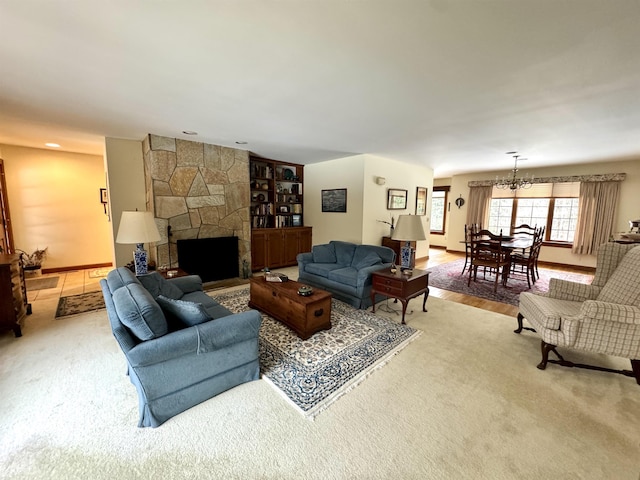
x,y
513,183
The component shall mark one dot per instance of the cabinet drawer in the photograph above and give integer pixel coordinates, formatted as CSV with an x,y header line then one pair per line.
x,y
387,285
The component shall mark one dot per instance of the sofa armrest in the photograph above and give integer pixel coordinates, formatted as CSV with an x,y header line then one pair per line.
x,y
364,274
188,284
205,337
574,291
305,258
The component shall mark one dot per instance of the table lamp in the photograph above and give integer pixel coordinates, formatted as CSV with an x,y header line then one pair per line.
x,y
138,227
408,229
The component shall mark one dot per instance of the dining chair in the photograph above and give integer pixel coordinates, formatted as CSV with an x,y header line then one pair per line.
x,y
527,262
469,230
487,252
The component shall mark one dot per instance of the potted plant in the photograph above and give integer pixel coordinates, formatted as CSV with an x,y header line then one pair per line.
x,y
32,263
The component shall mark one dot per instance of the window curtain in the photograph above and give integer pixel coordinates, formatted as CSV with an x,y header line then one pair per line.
x,y
598,204
479,202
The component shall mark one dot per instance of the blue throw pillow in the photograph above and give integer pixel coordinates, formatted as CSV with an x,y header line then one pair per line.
x,y
189,313
139,312
369,260
324,254
158,285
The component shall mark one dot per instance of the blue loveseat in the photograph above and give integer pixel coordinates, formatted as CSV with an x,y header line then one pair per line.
x,y
344,269
181,346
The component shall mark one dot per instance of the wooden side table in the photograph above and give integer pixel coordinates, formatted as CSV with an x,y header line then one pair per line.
x,y
402,286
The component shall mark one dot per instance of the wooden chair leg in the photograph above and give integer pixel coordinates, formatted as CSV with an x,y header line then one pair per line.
x,y
635,368
545,349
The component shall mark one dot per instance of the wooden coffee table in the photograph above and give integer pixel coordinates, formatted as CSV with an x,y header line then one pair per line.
x,y
304,315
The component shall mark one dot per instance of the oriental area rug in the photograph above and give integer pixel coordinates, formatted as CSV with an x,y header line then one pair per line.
x,y
313,373
75,304
448,276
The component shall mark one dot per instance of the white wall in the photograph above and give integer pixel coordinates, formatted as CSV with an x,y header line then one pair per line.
x,y
54,201
342,173
366,200
125,174
628,209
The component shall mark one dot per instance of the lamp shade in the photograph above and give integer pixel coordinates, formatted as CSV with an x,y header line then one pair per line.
x,y
137,227
409,228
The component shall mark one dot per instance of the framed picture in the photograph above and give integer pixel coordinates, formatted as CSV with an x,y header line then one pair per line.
x,y
421,201
296,220
396,199
103,195
284,209
334,200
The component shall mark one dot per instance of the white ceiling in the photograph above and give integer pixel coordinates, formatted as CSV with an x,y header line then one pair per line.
x,y
452,84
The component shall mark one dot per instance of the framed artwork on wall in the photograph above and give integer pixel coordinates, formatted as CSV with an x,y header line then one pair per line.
x,y
421,201
334,200
396,199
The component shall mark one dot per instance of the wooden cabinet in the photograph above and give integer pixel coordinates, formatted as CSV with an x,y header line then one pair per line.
x,y
395,245
278,247
13,294
277,222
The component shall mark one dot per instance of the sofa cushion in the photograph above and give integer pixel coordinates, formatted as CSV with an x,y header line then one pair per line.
x,y
189,313
158,285
363,259
324,254
139,312
344,252
345,275
119,278
623,286
322,269
213,308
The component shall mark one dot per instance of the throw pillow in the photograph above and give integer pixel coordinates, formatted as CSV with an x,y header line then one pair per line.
x,y
139,312
324,254
368,260
189,313
158,285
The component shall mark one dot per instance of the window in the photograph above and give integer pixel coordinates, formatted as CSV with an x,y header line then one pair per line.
x,y
565,219
438,210
552,205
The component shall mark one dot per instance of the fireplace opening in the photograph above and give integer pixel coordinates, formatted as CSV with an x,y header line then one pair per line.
x,y
210,258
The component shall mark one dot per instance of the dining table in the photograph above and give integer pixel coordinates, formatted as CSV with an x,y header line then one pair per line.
x,y
509,243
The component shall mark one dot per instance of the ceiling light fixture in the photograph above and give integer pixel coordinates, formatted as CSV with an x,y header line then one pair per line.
x,y
189,132
513,183
241,142
52,145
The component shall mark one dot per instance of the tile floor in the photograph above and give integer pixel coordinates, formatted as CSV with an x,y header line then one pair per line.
x,y
73,282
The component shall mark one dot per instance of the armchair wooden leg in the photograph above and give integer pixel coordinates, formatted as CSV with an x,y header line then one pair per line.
x,y
635,367
520,327
546,348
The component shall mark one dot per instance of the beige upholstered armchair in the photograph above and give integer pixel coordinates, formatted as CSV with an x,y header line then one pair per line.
x,y
603,317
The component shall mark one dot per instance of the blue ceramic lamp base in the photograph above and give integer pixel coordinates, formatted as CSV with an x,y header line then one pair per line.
x,y
140,259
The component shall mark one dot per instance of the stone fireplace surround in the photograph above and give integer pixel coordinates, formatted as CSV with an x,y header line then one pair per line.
x,y
200,190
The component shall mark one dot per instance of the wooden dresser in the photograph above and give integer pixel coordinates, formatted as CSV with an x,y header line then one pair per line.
x,y
13,294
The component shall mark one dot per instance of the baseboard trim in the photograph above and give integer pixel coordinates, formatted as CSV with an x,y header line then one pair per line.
x,y
75,267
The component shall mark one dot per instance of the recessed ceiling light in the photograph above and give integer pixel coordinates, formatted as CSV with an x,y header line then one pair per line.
x,y
241,143
52,145
189,132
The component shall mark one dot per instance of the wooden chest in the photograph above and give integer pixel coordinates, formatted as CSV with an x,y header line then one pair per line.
x,y
304,315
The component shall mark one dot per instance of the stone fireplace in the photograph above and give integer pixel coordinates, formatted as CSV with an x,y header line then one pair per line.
x,y
200,191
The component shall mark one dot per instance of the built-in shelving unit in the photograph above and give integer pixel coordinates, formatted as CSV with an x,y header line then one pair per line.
x,y
277,217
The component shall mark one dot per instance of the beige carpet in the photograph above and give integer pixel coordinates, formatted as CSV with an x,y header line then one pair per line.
x,y
463,401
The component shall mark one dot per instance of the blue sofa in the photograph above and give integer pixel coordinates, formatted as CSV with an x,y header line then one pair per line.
x,y
181,346
344,269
